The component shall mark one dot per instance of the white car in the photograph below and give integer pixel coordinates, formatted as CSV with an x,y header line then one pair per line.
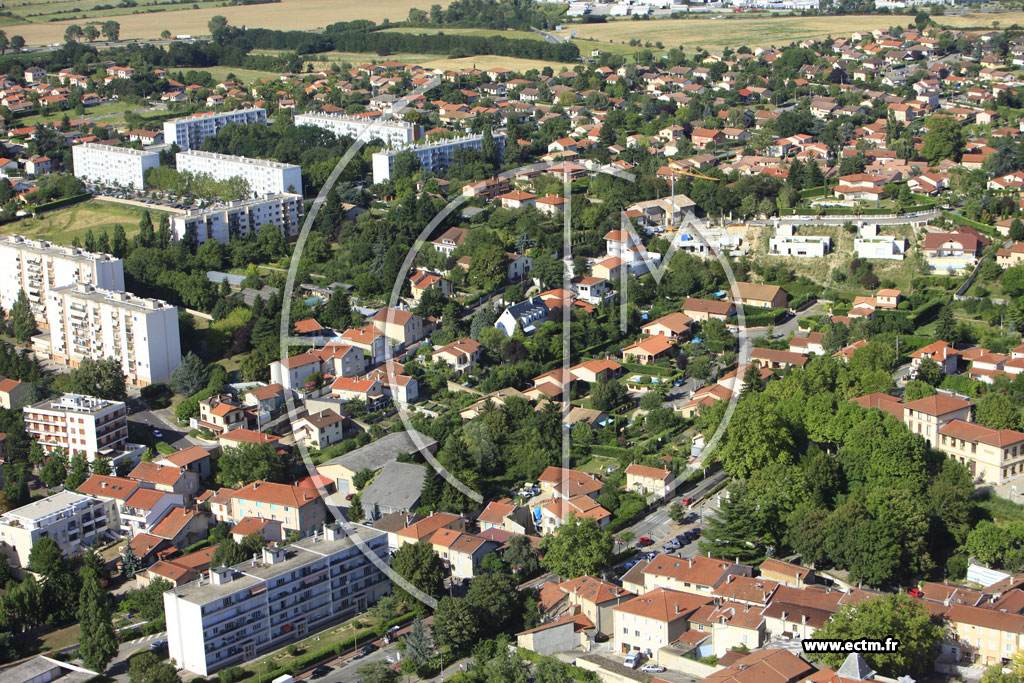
x,y
632,659
652,668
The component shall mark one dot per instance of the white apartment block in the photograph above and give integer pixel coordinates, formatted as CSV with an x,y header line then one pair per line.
x,y
394,132
226,222
87,322
435,157
75,521
37,267
110,165
78,424
265,177
190,131
234,614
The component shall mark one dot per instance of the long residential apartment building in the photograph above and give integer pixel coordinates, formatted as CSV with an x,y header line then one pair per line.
x,y
110,165
75,521
394,132
88,322
78,424
38,266
225,222
234,614
189,132
435,157
265,177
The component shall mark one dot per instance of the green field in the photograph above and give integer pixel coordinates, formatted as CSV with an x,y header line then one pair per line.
x,y
733,31
62,226
220,73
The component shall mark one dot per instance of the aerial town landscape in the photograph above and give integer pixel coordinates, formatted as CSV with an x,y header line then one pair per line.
x,y
512,341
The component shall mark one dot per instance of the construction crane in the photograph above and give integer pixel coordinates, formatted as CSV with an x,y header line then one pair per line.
x,y
692,174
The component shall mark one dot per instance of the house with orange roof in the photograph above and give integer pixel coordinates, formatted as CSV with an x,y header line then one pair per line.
x,y
461,354
298,508
341,359
560,482
179,570
366,338
164,476
506,515
291,373
220,414
321,429
238,437
13,393
270,529
461,552
594,599
146,507
592,371
698,574
403,327
368,390
653,619
786,573
927,416
706,309
673,325
420,281
182,526
942,353
560,510
424,529
649,481
649,349
775,359
731,625
569,632
812,343
267,399
993,456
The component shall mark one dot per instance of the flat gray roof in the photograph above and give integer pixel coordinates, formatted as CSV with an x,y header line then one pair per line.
x,y
246,575
378,453
398,486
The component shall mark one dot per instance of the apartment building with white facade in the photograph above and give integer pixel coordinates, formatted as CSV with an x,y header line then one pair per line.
x,y
189,132
435,157
394,132
78,424
88,322
75,521
110,165
37,266
225,222
265,177
231,615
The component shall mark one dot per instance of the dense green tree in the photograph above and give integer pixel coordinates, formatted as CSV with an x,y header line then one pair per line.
x,y
998,411
102,378
23,323
580,547
55,471
420,566
146,667
944,139
78,472
228,554
46,558
190,376
246,463
456,625
98,641
917,388
890,616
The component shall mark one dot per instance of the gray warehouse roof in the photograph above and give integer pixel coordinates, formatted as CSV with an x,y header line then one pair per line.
x,y
376,454
397,486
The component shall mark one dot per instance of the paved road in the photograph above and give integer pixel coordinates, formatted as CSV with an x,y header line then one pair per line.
x,y
118,668
547,36
162,421
660,528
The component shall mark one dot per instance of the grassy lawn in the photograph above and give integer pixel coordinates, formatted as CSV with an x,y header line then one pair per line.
x,y
55,118
62,226
598,463
479,32
1000,509
729,31
286,15
220,73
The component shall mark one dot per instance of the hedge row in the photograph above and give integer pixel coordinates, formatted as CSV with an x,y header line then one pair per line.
x,y
656,370
963,221
927,313
58,203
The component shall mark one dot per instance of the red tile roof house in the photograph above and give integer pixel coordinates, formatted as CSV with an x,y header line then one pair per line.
x,y
953,252
648,349
942,353
702,137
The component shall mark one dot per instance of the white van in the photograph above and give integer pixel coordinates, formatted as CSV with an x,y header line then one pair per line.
x,y
632,660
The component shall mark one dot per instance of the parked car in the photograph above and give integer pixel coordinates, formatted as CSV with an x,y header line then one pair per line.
x,y
367,649
686,501
645,541
652,668
916,593
320,672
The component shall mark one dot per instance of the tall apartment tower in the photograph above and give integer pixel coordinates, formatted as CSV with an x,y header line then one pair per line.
x,y
234,614
38,266
189,132
88,322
